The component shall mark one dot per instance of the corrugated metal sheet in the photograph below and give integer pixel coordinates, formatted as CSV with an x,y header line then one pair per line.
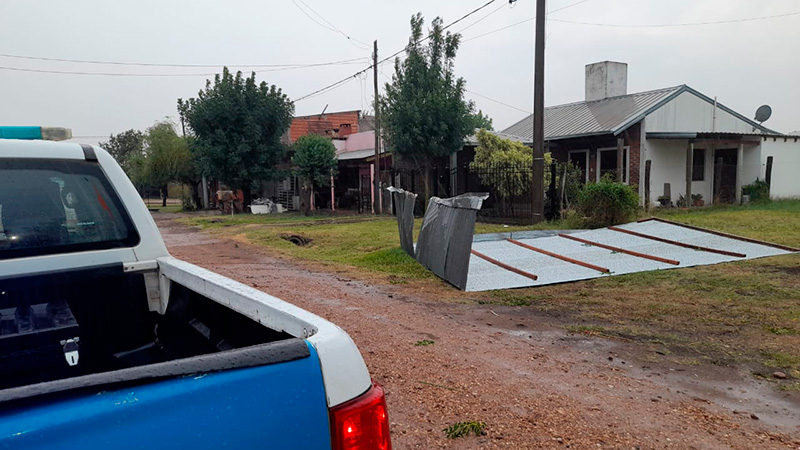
x,y
483,275
592,118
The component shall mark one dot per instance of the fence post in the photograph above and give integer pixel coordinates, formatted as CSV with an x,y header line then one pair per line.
x,y
647,165
552,192
687,198
768,175
717,179
563,201
620,157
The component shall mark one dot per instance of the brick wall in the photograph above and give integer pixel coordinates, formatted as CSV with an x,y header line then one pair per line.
x,y
633,137
337,124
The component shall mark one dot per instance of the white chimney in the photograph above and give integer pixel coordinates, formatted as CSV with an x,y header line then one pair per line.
x,y
606,79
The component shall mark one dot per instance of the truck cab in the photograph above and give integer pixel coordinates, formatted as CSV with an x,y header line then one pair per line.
x,y
107,340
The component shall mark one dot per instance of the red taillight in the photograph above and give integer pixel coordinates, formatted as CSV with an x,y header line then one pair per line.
x,y
361,423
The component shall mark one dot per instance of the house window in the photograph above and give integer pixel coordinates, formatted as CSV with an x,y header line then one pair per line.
x,y
698,164
607,163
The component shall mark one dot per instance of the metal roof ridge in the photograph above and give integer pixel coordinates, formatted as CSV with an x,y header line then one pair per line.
x,y
564,105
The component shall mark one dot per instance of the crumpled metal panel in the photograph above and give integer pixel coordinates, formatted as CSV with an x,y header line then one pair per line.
x,y
404,208
445,238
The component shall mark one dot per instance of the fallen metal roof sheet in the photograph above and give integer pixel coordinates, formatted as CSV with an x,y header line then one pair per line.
x,y
486,275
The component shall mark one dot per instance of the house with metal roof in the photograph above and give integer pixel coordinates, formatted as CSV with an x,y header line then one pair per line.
x,y
685,141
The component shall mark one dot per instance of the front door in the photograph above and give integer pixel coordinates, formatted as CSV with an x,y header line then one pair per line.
x,y
725,175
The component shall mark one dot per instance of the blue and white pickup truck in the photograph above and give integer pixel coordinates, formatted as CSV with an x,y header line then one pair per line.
x,y
106,341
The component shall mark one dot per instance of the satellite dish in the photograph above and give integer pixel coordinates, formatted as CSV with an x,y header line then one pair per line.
x,y
763,113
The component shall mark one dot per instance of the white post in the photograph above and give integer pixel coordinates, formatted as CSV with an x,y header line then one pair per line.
x,y
739,173
311,194
333,199
205,193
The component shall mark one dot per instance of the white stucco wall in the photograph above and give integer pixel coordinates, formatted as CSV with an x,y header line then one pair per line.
x,y
690,113
668,165
785,166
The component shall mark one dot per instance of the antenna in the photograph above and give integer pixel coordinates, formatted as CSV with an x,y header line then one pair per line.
x,y
763,113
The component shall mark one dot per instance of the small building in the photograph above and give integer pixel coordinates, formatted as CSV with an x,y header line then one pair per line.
x,y
353,184
335,125
688,138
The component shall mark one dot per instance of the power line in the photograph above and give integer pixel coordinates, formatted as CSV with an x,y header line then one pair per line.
x,y
671,25
685,24
129,74
343,80
566,6
125,63
482,18
329,25
525,21
499,102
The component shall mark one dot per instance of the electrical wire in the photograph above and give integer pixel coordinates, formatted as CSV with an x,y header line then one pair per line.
x,y
499,102
481,19
328,25
129,74
525,21
144,64
611,25
685,24
343,80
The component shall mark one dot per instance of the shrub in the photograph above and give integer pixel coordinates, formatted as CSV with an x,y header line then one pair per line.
x,y
758,190
607,203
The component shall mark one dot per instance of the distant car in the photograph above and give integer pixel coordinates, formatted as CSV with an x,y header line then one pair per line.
x,y
106,341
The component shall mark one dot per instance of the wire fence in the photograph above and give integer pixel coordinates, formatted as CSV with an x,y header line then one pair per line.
x,y
511,193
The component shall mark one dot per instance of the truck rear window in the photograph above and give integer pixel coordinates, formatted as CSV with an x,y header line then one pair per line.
x,y
59,206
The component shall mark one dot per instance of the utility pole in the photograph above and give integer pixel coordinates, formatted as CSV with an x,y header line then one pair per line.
x,y
537,202
378,205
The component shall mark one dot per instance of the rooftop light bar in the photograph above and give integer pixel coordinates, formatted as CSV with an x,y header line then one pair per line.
x,y
36,133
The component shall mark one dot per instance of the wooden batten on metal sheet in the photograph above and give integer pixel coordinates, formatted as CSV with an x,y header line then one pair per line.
x,y
678,243
505,266
561,257
720,233
621,250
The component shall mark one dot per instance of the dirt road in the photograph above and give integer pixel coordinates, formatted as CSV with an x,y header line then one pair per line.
x,y
531,382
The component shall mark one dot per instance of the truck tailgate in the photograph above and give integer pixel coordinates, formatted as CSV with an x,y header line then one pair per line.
x,y
279,405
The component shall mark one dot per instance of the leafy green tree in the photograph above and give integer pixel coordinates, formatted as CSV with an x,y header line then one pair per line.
x,y
424,113
315,161
481,121
237,124
505,166
128,149
168,157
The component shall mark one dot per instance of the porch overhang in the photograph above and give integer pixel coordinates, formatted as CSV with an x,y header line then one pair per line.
x,y
715,137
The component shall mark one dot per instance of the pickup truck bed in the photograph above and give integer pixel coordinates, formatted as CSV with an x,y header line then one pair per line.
x,y
106,341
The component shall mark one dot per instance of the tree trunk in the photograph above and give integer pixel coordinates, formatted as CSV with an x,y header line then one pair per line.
x,y
164,191
311,197
195,193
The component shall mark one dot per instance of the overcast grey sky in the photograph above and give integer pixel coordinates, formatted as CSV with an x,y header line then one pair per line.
x,y
744,64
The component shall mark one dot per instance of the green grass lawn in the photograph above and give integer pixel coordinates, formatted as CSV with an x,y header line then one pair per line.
x,y
728,313
364,242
